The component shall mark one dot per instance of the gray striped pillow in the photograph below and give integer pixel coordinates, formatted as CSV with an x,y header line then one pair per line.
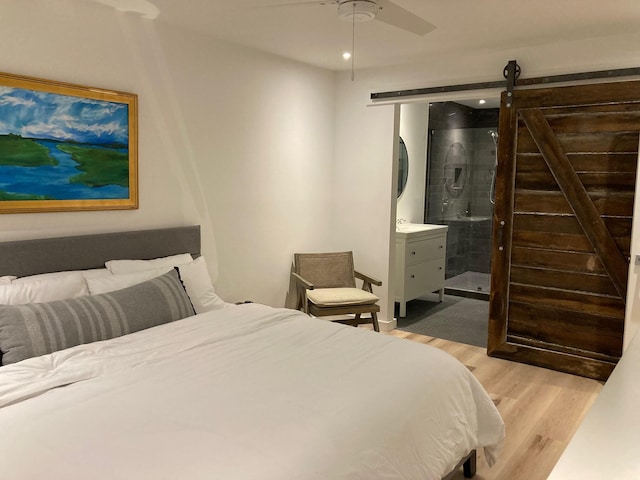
x,y
35,329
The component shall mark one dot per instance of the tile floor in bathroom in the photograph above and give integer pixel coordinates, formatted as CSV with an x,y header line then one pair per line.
x,y
470,281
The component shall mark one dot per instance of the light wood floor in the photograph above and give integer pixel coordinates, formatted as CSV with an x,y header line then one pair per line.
x,y
541,409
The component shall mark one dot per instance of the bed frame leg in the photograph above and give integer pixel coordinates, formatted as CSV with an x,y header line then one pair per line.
x,y
469,466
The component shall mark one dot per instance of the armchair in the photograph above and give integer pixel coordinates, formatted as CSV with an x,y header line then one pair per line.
x,y
326,286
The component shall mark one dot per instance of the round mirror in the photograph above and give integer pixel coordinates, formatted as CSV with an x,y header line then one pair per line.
x,y
455,169
403,167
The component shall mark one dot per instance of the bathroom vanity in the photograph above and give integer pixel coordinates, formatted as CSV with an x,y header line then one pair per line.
x,y
420,261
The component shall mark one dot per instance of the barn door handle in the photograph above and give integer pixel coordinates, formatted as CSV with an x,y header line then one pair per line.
x,y
500,232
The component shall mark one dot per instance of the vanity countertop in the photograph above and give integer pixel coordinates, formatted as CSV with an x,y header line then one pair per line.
x,y
404,230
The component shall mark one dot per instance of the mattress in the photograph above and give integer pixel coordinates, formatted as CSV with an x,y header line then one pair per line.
x,y
243,392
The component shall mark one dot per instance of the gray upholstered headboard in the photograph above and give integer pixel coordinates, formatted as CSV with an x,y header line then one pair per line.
x,y
81,252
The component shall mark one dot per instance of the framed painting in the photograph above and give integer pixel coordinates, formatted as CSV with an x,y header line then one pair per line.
x,y
65,147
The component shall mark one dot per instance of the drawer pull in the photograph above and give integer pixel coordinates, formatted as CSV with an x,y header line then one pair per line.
x,y
413,276
441,247
439,268
413,253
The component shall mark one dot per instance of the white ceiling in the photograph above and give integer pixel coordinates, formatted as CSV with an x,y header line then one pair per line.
x,y
314,34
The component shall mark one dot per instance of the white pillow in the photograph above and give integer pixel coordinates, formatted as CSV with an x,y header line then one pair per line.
x,y
120,267
6,280
111,282
197,282
91,273
194,275
44,290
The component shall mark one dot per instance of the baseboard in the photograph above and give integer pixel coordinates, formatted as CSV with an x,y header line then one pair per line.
x,y
388,325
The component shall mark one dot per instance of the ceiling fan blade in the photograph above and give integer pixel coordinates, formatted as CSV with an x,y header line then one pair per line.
x,y
397,16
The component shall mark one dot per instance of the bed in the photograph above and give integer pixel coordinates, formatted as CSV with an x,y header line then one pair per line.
x,y
202,389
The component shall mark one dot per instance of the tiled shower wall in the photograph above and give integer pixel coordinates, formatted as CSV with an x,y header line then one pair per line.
x,y
468,214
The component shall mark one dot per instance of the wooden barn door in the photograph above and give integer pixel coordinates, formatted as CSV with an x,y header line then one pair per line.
x,y
562,226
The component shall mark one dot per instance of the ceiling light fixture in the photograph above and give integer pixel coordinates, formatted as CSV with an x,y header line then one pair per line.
x,y
358,10
346,55
482,101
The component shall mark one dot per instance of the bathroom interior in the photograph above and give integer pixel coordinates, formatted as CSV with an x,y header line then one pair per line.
x,y
446,176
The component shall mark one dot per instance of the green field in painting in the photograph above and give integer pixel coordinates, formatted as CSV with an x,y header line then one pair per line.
x,y
10,197
100,166
22,152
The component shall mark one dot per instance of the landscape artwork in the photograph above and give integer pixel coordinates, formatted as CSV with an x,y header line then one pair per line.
x,y
65,147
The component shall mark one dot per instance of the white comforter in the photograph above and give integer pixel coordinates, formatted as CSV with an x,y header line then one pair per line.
x,y
247,392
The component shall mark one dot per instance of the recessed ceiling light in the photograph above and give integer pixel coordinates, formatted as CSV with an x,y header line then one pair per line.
x,y
482,102
346,55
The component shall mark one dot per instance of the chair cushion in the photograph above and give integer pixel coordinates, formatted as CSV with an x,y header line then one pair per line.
x,y
331,297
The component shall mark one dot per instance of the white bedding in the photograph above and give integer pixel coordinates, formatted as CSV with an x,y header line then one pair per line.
x,y
246,392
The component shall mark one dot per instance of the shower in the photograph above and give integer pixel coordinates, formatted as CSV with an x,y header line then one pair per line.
x,y
492,191
461,191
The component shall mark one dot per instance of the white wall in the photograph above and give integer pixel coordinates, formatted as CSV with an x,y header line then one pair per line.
x,y
365,184
237,141
632,320
413,130
372,126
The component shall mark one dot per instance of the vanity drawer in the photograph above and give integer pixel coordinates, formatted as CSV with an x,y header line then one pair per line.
x,y
424,278
425,249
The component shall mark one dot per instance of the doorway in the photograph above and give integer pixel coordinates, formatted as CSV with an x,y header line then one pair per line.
x,y
449,178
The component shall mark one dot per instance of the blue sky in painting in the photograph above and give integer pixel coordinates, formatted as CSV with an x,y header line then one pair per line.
x,y
43,115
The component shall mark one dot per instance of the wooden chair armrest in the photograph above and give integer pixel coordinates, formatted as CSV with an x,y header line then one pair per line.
x,y
302,282
367,279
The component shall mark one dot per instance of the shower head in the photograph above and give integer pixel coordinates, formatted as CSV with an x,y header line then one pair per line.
x,y
494,136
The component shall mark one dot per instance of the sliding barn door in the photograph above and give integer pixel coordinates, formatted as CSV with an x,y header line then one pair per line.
x,y
562,226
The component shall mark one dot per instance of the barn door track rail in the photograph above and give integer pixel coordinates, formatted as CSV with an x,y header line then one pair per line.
x,y
511,74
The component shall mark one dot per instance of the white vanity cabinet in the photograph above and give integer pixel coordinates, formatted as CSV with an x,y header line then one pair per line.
x,y
420,261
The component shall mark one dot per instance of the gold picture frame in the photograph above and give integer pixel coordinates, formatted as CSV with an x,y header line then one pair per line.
x,y
65,147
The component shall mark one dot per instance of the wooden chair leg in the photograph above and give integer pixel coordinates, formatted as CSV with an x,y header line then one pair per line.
x,y
374,316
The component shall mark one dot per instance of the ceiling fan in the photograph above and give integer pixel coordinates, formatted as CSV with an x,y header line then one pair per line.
x,y
384,11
